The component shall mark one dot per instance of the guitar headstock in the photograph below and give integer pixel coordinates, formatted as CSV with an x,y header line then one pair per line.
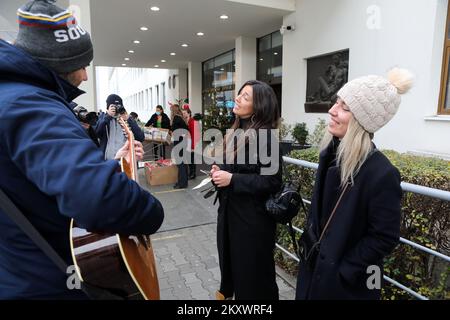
x,y
129,164
126,130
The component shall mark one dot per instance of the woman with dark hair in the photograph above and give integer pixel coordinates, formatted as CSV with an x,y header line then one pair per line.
x,y
245,232
177,122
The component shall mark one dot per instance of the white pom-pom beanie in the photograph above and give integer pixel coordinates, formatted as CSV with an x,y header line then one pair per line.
x,y
374,100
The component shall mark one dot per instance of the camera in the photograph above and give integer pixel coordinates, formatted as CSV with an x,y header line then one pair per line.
x,y
284,28
85,116
120,109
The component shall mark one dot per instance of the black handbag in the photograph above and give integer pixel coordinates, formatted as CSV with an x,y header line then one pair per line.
x,y
309,245
284,205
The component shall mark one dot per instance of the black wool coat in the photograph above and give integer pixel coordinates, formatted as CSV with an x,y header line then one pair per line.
x,y
246,234
364,229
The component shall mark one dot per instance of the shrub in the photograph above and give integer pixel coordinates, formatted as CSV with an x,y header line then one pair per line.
x,y
285,129
300,133
318,133
425,220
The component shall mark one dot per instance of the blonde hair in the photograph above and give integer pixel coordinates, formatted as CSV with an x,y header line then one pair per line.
x,y
353,150
175,111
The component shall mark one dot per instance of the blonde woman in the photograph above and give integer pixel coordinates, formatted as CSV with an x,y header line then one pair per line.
x,y
355,209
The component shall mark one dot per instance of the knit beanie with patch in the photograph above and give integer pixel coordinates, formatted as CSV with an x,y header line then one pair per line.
x,y
53,37
374,100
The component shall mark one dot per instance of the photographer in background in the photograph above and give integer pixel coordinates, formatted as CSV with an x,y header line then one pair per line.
x,y
109,130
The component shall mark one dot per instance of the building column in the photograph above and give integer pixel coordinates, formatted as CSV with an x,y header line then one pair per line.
x,y
245,60
82,11
195,86
182,83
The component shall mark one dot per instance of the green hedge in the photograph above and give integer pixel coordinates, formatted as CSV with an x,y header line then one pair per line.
x,y
425,221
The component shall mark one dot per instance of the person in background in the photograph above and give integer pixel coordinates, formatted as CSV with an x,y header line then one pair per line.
x,y
87,119
159,120
177,122
110,131
50,168
134,116
194,138
355,207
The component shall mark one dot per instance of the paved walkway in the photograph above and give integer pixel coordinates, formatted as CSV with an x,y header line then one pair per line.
x,y
185,246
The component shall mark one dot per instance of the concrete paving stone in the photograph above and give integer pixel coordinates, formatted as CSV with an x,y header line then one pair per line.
x,y
178,285
191,278
185,268
167,294
167,267
203,297
215,272
173,276
163,283
205,276
210,263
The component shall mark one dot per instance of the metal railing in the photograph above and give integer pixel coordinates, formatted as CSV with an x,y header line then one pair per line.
x,y
408,187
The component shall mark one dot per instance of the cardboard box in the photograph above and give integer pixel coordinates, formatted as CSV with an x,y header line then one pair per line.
x,y
157,135
159,174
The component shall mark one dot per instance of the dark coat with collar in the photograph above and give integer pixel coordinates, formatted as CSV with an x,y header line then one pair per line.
x,y
246,234
364,229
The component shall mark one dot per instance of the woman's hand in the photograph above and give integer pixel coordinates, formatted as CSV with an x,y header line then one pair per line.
x,y
221,178
124,152
214,168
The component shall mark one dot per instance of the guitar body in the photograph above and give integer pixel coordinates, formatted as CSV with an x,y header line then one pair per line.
x,y
125,265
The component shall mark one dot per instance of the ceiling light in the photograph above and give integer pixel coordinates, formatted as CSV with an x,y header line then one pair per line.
x,y
156,66
136,41
261,59
173,54
130,51
275,53
222,69
224,17
127,59
154,8
185,45
144,28
163,60
124,64
200,34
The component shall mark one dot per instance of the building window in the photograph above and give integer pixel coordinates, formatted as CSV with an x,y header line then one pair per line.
x,y
444,97
163,91
218,90
270,58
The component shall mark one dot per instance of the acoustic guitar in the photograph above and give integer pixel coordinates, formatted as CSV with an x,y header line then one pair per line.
x,y
124,265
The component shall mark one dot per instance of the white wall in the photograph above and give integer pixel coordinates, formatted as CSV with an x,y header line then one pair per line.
x,y
408,34
195,86
245,60
82,12
138,89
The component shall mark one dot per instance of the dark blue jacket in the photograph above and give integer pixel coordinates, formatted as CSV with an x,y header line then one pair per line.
x,y
102,127
53,172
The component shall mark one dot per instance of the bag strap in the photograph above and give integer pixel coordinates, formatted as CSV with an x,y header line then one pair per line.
x,y
291,229
333,212
17,216
11,210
